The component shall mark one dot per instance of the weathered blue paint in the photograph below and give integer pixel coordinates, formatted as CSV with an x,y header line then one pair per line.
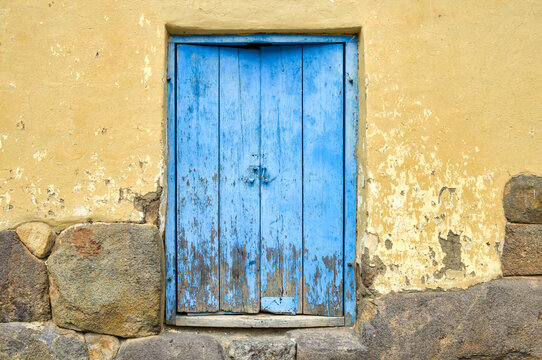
x,y
271,39
239,201
350,118
281,204
323,179
351,114
280,304
171,220
197,178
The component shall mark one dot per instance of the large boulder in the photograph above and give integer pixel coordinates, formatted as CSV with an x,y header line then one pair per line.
x,y
31,341
24,289
107,278
523,199
522,251
327,344
38,237
500,319
172,346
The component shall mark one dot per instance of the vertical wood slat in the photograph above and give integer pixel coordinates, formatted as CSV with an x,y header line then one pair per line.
x,y
239,200
171,214
323,179
197,178
351,114
281,199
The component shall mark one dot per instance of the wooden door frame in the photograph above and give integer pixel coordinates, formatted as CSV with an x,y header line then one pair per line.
x,y
351,115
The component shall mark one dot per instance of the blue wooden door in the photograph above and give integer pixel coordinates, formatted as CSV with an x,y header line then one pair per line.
x,y
260,179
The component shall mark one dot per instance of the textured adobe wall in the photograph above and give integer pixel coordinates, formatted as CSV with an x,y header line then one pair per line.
x,y
452,112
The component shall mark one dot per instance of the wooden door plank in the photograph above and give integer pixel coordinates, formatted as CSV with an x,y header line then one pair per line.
x,y
323,179
170,229
197,178
351,113
239,197
281,204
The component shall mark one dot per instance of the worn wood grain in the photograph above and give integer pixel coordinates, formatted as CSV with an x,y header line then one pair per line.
x,y
351,114
171,213
197,178
281,196
239,197
323,179
275,39
259,321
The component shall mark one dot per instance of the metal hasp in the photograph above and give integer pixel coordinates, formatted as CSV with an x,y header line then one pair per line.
x,y
253,173
264,176
257,171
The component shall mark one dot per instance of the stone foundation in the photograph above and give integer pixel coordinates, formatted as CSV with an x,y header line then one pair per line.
x,y
501,319
522,250
99,295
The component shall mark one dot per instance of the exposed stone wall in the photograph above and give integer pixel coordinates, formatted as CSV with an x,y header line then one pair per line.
x,y
501,319
522,251
98,279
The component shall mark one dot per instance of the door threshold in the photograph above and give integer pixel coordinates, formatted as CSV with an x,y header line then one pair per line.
x,y
258,321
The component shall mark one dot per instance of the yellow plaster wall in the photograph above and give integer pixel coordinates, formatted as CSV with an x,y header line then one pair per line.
x,y
453,110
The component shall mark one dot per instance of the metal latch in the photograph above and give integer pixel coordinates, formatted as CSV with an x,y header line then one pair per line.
x,y
257,171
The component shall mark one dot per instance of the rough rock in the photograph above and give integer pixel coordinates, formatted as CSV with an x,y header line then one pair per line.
x,y
149,205
24,289
33,341
152,213
262,348
38,237
107,278
101,347
327,344
170,346
500,319
523,199
522,251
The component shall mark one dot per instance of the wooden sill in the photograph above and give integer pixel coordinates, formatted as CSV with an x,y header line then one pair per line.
x,y
258,321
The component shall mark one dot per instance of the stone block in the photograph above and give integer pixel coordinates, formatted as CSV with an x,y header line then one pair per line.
x,y
107,278
327,344
35,341
101,347
172,346
522,251
24,287
38,237
523,199
500,319
262,348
